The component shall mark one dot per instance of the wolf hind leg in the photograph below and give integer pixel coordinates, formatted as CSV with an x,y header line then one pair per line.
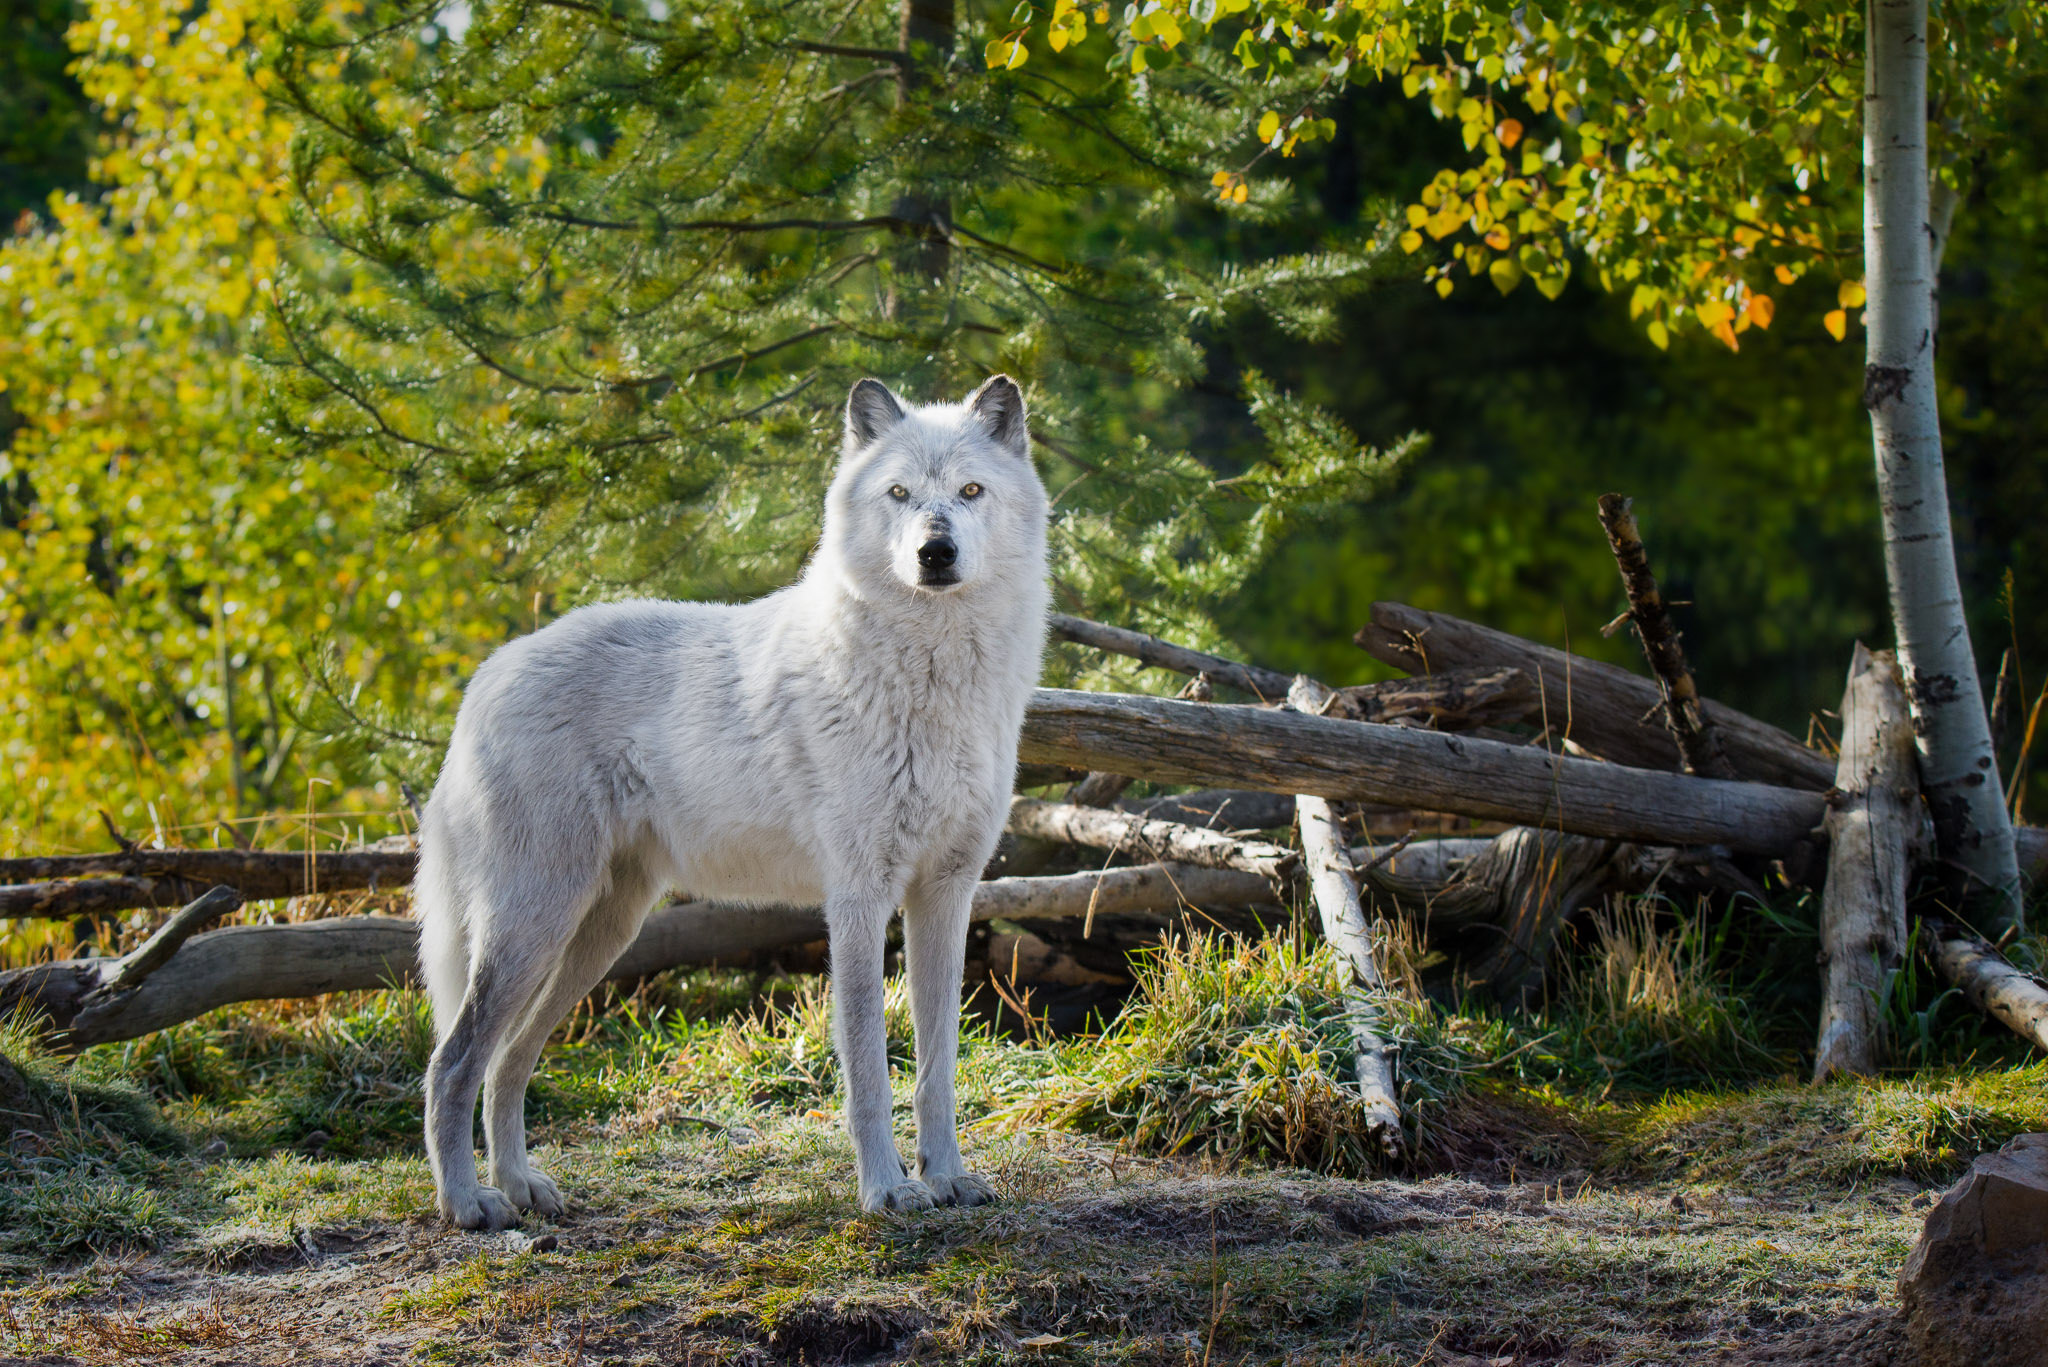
x,y
605,931
518,937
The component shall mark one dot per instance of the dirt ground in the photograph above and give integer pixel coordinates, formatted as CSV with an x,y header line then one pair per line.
x,y
692,1244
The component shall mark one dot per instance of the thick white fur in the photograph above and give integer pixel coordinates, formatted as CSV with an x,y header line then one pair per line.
x,y
849,740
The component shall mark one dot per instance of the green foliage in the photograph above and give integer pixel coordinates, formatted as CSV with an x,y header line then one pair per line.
x,y
174,567
682,238
1698,158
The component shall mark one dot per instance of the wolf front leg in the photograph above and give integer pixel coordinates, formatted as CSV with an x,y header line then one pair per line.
x,y
857,924
934,947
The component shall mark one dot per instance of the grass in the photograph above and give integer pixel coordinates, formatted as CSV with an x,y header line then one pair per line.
x,y
1189,1185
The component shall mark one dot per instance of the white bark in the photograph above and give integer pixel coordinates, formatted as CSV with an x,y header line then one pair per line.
x,y
1873,833
1958,767
1333,884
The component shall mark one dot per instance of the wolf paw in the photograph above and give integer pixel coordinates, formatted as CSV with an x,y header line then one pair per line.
x,y
908,1194
532,1190
960,1189
480,1208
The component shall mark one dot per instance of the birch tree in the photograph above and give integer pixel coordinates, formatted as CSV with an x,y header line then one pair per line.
x,y
1698,159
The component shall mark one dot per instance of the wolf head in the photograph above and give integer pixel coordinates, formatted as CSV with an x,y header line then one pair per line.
x,y
934,499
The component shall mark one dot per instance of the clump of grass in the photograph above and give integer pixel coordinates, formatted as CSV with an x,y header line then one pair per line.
x,y
82,1159
1650,1006
1926,1128
777,1054
1239,1049
79,1207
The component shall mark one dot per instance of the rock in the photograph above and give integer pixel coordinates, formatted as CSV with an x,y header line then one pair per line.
x,y
215,1150
1975,1291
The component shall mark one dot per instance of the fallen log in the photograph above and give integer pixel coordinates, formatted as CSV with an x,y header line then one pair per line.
x,y
1698,741
1875,824
1333,886
1454,700
1609,711
1267,685
1991,983
160,878
366,953
1220,809
1168,841
1282,751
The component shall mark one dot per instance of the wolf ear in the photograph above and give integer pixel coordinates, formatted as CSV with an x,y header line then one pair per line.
x,y
871,410
999,405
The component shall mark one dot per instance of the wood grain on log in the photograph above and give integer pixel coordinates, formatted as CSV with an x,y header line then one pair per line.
x,y
1875,829
1333,886
1990,981
363,953
1171,841
1607,710
1267,685
1699,743
1176,742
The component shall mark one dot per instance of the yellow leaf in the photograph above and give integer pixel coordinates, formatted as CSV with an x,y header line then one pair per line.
x,y
1018,52
1220,178
1660,336
1784,274
1411,240
1269,124
1498,237
1443,287
1714,313
1416,215
1505,272
1240,192
1551,285
1003,54
1849,294
1761,310
1837,323
1727,335
1509,132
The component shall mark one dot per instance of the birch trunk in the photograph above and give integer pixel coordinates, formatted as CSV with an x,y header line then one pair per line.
x,y
1958,768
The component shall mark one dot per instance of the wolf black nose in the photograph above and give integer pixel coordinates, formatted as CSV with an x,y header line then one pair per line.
x,y
937,554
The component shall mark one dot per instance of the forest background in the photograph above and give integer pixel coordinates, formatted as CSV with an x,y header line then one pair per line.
x,y
221,600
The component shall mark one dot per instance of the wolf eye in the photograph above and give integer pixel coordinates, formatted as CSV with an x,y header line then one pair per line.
x,y
970,491
897,491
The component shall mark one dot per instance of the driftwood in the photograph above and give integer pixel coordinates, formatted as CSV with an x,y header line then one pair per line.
x,y
157,878
1605,709
1267,685
1874,830
1176,742
1990,982
363,953
1699,743
1097,829
1333,886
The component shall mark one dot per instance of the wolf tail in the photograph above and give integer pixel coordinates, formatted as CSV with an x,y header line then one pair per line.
x,y
437,904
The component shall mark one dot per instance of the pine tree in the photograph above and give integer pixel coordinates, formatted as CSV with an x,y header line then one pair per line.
x,y
604,274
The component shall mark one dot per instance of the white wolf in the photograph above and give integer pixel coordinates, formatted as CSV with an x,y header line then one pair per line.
x,y
849,740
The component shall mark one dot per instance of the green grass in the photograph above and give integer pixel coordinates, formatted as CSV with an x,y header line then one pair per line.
x,y
1180,1186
